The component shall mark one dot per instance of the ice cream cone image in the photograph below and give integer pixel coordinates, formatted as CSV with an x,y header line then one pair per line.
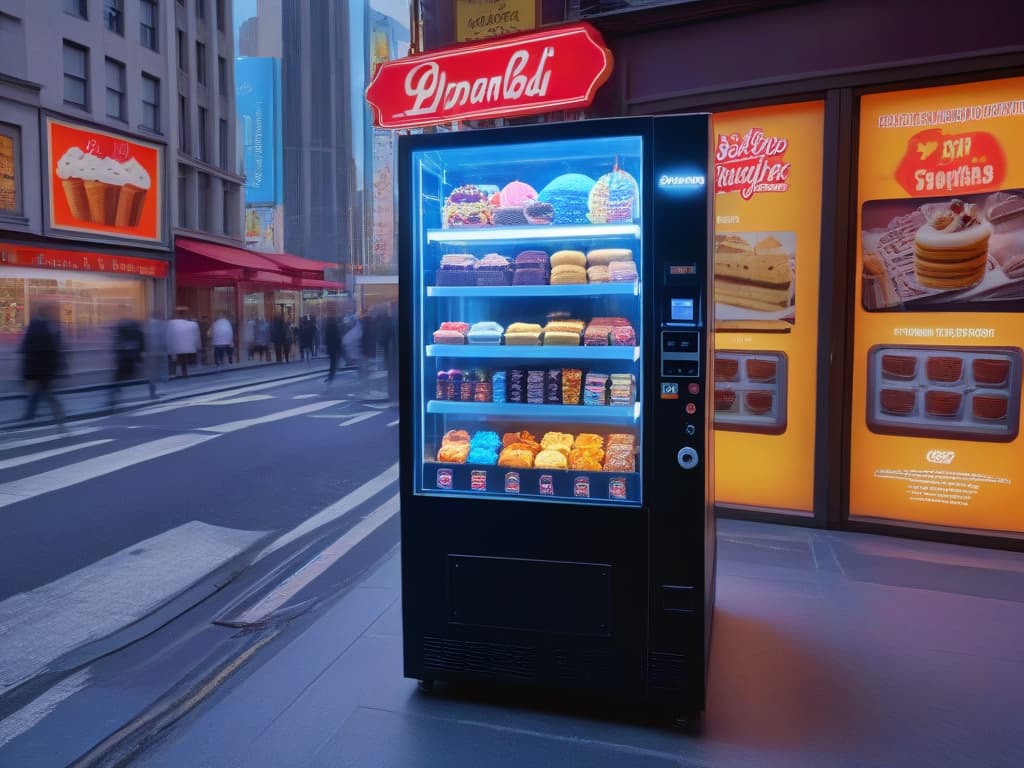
x,y
78,201
129,206
102,201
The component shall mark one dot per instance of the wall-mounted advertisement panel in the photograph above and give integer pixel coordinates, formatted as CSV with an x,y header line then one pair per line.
x,y
257,82
939,318
768,176
102,183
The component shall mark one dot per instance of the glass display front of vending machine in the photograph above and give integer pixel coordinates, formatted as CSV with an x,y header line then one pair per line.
x,y
527,318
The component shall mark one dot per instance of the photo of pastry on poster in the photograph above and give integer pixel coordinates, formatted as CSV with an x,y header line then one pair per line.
x,y
103,183
939,317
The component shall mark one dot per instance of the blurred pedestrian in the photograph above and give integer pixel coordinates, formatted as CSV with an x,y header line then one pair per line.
x,y
222,335
351,338
263,340
249,338
279,338
43,361
129,345
332,344
155,352
307,337
182,341
204,336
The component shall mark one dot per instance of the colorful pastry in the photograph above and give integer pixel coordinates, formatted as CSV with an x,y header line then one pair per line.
x,y
551,459
453,453
951,250
613,198
568,195
467,206
539,213
757,277
517,194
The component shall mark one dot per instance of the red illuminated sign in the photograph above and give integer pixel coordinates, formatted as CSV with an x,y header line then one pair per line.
x,y
79,261
554,69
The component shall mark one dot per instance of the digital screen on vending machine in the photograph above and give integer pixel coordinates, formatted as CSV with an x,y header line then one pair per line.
x,y
681,310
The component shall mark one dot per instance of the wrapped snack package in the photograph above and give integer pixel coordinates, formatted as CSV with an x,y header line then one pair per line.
x,y
572,382
597,274
605,256
485,332
561,338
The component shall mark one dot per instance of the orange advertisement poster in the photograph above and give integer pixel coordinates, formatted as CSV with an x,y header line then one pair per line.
x,y
939,317
102,183
768,172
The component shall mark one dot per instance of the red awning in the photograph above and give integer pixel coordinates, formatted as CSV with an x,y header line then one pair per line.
x,y
299,264
201,256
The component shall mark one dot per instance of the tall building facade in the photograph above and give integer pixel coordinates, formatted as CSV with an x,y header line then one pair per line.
x,y
87,137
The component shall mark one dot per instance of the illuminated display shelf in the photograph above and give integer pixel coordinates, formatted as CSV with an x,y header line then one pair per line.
x,y
531,233
603,414
517,351
524,291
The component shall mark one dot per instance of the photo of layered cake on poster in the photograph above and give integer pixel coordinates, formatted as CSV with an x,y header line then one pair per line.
x,y
953,253
755,281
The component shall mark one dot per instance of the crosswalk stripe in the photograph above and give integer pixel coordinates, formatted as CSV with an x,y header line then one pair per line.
x,y
234,426
25,443
46,623
72,474
29,458
26,718
189,402
304,397
239,400
359,417
291,586
335,511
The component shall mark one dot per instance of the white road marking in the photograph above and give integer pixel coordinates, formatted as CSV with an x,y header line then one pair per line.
x,y
234,426
32,713
239,400
187,403
291,586
29,458
305,397
359,417
72,474
47,439
42,625
335,511
393,423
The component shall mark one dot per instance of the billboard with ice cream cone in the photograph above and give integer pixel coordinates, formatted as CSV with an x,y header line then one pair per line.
x,y
102,183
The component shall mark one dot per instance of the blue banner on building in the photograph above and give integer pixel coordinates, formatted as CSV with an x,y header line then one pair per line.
x,y
258,83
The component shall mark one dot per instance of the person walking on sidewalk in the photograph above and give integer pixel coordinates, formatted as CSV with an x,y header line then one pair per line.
x,y
223,337
182,341
155,352
307,337
332,344
43,359
129,345
279,338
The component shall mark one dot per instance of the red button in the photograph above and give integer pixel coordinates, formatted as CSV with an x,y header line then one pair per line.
x,y
694,388
691,408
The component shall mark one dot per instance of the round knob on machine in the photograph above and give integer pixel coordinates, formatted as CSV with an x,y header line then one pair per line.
x,y
687,457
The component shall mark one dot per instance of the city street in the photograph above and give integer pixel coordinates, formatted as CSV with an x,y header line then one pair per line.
x,y
146,527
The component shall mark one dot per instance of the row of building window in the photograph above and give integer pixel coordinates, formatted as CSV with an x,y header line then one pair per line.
x,y
203,207
76,87
113,16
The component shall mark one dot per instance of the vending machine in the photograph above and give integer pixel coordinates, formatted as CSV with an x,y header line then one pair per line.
x,y
556,497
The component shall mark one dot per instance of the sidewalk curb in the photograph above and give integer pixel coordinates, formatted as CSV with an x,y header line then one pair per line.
x,y
108,411
187,599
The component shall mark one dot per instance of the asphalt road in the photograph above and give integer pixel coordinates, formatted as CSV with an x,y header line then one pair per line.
x,y
105,524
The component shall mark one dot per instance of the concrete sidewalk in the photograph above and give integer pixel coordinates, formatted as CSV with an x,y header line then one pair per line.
x,y
91,401
829,649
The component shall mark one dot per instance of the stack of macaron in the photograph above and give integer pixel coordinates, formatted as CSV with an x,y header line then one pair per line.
x,y
467,206
595,389
568,195
568,268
